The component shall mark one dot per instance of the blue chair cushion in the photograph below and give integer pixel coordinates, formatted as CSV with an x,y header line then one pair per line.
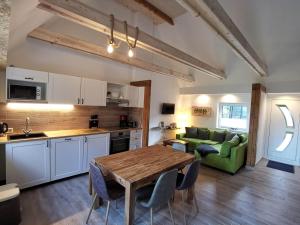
x,y
180,177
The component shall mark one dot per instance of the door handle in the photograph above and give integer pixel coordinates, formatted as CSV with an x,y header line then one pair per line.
x,y
78,100
29,78
85,139
68,139
82,101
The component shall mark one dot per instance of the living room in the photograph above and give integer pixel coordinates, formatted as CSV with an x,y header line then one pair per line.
x,y
83,86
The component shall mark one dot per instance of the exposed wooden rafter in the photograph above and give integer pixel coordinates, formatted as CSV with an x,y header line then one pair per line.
x,y
77,44
5,11
96,20
215,15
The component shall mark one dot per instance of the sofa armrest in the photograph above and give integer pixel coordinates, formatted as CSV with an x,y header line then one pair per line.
x,y
180,135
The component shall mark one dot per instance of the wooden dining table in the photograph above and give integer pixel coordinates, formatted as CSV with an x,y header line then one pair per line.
x,y
137,168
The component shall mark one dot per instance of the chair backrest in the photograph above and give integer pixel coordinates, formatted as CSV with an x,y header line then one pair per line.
x,y
164,189
191,175
98,182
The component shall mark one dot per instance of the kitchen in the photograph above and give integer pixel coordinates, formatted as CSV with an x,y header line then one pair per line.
x,y
52,117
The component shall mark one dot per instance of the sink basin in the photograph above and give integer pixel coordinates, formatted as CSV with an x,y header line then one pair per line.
x,y
26,136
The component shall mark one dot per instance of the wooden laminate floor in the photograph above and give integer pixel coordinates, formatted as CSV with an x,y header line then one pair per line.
x,y
262,196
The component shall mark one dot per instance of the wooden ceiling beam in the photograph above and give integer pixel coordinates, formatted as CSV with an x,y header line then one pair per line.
x,y
89,17
155,10
84,46
5,12
215,15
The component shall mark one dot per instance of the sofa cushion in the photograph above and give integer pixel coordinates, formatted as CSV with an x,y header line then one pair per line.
x,y
203,133
218,136
227,145
243,137
229,136
197,141
191,132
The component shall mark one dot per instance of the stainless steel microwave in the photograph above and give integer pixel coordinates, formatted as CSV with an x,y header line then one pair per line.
x,y
23,90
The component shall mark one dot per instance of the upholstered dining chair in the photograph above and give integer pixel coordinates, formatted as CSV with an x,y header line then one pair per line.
x,y
159,194
108,191
184,182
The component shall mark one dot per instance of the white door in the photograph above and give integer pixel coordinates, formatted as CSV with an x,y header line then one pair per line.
x,y
64,89
283,131
95,146
28,163
93,92
66,157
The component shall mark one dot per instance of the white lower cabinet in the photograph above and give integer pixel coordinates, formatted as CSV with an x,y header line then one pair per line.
x,y
32,163
95,146
28,163
66,157
135,139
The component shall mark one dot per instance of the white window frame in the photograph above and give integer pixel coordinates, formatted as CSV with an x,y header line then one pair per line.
x,y
221,104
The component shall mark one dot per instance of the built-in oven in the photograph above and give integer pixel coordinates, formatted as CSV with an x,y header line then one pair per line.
x,y
119,142
26,90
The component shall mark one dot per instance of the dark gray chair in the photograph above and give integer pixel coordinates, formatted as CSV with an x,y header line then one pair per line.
x,y
156,195
108,191
186,181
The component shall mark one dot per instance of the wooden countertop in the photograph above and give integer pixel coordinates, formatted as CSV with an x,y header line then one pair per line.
x,y
67,133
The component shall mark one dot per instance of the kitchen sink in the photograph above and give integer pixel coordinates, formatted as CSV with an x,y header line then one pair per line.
x,y
25,136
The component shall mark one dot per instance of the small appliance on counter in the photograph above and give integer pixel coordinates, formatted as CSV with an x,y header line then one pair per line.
x,y
123,121
3,128
94,122
132,124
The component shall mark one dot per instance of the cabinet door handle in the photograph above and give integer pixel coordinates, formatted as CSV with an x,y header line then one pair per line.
x,y
78,101
82,101
47,143
68,139
29,78
85,139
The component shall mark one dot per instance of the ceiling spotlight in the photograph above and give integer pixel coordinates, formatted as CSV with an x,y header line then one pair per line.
x,y
110,48
111,42
130,53
130,45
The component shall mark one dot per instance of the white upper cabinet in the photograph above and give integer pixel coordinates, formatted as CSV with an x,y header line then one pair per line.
x,y
93,92
135,95
64,89
13,73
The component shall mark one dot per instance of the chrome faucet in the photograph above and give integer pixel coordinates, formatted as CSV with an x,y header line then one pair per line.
x,y
27,131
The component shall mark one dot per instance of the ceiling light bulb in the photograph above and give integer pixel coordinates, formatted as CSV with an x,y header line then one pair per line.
x,y
110,48
130,53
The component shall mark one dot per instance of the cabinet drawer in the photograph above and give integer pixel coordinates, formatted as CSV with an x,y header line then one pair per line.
x,y
13,73
136,134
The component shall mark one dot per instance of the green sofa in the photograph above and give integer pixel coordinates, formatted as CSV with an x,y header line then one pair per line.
x,y
231,163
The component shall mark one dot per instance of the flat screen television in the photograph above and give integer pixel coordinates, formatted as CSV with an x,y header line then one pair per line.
x,y
168,108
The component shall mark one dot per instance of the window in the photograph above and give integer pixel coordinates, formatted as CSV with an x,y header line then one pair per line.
x,y
234,116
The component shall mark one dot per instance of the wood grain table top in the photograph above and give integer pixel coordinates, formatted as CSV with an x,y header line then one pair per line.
x,y
141,165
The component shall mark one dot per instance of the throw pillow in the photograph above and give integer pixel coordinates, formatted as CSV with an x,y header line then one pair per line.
x,y
191,132
227,145
225,149
229,136
203,133
218,136
235,141
243,137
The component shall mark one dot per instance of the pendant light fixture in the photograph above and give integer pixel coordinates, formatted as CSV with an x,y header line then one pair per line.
x,y
111,42
130,45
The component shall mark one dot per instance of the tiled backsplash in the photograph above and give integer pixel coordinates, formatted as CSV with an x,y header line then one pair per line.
x,y
75,119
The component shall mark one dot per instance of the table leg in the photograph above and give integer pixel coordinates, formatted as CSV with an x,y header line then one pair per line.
x,y
129,204
190,195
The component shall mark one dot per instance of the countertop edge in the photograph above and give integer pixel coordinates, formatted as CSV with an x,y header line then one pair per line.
x,y
85,132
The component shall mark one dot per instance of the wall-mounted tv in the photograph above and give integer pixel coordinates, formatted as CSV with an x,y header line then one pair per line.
x,y
168,108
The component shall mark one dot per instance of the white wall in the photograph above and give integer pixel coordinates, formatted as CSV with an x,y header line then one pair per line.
x,y
209,100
